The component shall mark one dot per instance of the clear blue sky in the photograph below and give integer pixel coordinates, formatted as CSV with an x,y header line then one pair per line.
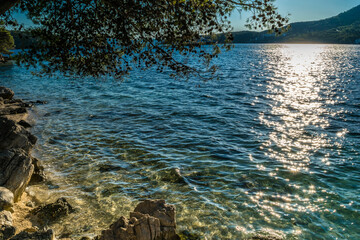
x,y
304,10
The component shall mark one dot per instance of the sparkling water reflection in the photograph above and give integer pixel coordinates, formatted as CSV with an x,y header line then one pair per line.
x,y
273,147
299,112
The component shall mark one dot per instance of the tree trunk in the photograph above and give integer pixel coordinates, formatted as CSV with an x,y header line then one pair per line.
x,y
5,5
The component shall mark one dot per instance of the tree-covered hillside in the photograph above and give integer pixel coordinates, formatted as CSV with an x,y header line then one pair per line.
x,y
343,28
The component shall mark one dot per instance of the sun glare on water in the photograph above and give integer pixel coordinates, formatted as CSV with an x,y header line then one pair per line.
x,y
297,105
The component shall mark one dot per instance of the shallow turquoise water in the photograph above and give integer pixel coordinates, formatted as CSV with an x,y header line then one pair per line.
x,y
272,147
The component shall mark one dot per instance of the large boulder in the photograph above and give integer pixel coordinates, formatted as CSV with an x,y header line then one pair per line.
x,y
16,169
6,93
159,209
6,228
139,227
6,199
151,220
13,135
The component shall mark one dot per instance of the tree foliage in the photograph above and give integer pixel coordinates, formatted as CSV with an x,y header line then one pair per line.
x,y
102,37
6,42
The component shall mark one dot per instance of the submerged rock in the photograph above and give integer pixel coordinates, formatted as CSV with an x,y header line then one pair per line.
x,y
52,212
109,168
6,93
151,220
6,199
186,235
6,228
16,169
39,235
266,237
173,175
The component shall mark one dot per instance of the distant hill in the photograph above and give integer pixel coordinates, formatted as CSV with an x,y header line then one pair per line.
x,y
343,28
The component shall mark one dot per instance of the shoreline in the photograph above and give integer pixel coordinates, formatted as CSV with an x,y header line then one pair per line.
x,y
19,168
26,217
22,216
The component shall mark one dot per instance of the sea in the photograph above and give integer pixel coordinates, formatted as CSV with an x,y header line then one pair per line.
x,y
271,148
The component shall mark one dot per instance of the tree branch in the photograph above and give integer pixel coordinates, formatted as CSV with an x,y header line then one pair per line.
x,y
6,5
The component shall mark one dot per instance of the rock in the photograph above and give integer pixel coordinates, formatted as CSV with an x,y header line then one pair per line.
x,y
30,204
16,169
41,102
6,93
18,110
52,212
65,235
6,199
5,218
145,226
13,106
13,111
157,208
7,231
173,176
186,235
39,235
10,101
151,220
32,229
15,136
16,166
266,237
109,168
38,102
140,227
24,123
6,228
85,238
38,175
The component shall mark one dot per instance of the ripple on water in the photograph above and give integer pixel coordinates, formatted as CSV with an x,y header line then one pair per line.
x,y
271,148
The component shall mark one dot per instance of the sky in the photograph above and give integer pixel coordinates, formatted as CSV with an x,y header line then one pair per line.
x,y
299,10
303,10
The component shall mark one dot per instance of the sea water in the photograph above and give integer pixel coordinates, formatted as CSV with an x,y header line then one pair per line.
x,y
270,148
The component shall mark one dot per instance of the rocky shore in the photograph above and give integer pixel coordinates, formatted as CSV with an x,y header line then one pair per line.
x,y
22,219
25,218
